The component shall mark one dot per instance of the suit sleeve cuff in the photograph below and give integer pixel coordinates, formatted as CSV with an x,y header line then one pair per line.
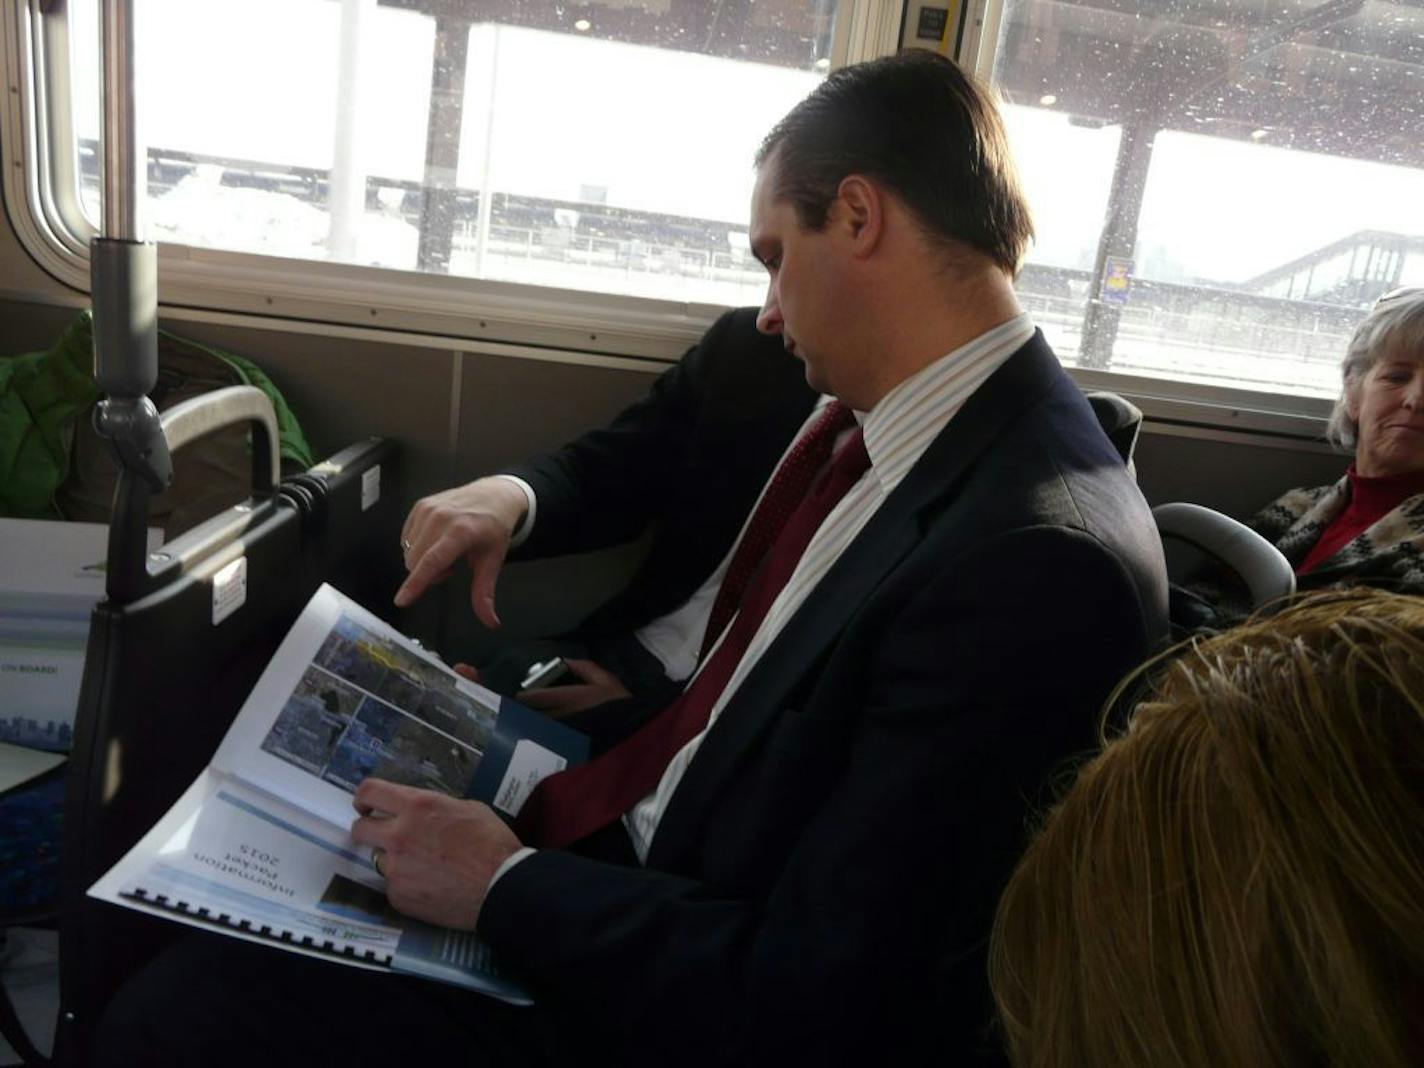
x,y
509,862
526,525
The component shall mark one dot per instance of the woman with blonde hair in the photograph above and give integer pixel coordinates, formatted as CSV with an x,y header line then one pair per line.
x,y
1238,878
1367,528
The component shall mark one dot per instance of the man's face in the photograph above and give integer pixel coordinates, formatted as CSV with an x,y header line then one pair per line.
x,y
803,294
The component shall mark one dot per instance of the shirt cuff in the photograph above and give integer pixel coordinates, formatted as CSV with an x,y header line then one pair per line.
x,y
526,525
509,862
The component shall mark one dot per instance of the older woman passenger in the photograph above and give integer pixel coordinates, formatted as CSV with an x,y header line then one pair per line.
x,y
1238,879
1369,526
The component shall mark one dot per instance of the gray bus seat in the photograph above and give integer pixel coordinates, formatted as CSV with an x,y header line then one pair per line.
x,y
1260,567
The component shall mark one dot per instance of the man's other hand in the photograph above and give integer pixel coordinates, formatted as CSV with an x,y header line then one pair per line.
x,y
475,521
596,686
437,854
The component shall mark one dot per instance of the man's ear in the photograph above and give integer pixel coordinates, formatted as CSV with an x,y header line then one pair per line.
x,y
860,207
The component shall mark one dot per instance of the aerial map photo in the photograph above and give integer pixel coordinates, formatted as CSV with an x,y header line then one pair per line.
x,y
366,706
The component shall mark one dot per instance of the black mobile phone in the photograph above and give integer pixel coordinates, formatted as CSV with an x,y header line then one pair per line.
x,y
552,672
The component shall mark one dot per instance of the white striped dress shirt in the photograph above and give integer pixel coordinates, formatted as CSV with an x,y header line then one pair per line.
x,y
897,432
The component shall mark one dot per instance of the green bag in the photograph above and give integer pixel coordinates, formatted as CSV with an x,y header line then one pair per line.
x,y
57,466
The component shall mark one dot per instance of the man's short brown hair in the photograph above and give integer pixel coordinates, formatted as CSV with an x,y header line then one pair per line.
x,y
924,128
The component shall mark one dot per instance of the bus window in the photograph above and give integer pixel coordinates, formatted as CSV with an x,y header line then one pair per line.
x,y
603,147
1222,190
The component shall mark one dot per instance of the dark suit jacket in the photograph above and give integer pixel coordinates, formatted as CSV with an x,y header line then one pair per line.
x,y
690,458
821,884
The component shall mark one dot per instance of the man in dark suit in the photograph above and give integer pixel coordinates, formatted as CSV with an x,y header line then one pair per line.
x,y
798,860
817,875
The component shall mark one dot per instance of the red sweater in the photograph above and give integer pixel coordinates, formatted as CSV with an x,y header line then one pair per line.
x,y
1371,499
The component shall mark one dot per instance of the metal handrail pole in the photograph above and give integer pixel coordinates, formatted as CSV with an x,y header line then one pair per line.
x,y
125,171
123,273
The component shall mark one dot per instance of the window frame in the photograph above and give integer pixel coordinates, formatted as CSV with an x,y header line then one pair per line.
x,y
27,126
43,202
41,193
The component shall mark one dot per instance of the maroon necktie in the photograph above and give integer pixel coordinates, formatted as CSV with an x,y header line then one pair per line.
x,y
572,804
785,491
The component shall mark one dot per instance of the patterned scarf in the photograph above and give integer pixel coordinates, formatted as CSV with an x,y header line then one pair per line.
x,y
1389,554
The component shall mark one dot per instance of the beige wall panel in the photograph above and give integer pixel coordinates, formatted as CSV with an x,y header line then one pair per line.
x,y
1237,477
21,277
344,390
28,327
511,408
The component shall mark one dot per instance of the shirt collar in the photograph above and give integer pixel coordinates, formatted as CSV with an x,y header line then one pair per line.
x,y
900,427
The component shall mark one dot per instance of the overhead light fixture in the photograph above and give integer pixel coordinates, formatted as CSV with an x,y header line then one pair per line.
x,y
1048,100
824,63
583,25
1258,135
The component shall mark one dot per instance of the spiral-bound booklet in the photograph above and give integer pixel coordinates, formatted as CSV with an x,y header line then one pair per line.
x,y
259,846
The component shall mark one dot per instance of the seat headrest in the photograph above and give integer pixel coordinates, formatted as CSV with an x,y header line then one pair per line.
x,y
1120,420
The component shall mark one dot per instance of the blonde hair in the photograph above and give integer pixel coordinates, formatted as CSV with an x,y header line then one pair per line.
x,y
1238,878
1394,328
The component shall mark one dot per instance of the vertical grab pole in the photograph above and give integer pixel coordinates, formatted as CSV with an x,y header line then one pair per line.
x,y
125,170
123,271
